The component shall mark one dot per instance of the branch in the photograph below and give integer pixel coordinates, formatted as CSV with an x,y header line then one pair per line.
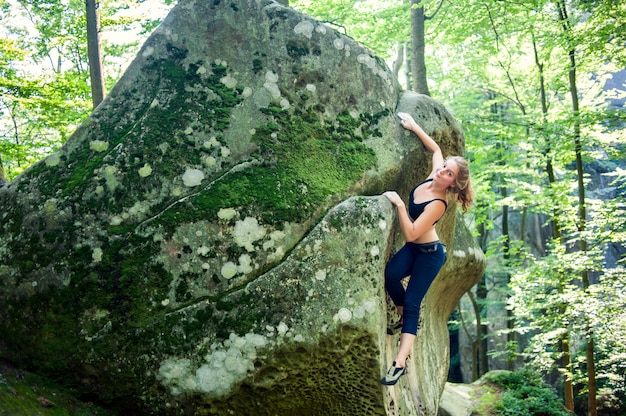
x,y
435,12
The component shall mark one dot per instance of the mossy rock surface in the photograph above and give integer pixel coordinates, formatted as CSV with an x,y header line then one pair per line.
x,y
196,218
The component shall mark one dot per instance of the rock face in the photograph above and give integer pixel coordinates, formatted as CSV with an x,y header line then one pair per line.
x,y
188,251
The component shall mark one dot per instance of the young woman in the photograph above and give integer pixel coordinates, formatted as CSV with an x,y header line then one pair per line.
x,y
423,255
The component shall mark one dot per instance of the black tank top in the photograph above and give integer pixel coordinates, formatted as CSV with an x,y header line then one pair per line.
x,y
415,210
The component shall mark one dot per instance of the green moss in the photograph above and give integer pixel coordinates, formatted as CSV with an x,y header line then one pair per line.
x,y
288,187
23,393
297,51
257,65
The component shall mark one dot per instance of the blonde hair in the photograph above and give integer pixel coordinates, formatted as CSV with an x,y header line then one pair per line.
x,y
463,185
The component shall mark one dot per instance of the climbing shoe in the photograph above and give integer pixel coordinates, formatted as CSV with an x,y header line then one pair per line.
x,y
393,374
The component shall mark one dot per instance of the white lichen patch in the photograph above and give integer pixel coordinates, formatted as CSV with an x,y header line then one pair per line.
x,y
311,87
154,103
245,264
209,161
247,91
223,368
459,253
110,177
382,224
147,51
98,145
229,81
139,209
271,77
368,306
276,240
282,328
284,104
211,143
305,28
271,84
320,275
346,51
273,89
145,171
366,60
193,177
343,315
338,43
375,251
188,131
247,232
229,270
53,159
96,254
226,214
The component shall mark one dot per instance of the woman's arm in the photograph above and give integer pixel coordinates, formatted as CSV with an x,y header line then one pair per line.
x,y
412,230
407,121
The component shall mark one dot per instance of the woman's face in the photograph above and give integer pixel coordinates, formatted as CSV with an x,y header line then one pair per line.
x,y
446,173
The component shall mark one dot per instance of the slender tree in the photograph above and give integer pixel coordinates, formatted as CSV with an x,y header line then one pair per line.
x,y
94,52
582,209
418,46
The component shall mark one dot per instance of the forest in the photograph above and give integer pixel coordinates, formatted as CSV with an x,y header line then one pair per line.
x,y
539,87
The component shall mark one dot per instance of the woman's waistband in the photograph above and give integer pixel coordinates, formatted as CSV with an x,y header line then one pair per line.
x,y
430,244
430,247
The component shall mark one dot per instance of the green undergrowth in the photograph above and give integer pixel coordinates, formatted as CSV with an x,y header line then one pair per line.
x,y
519,393
26,394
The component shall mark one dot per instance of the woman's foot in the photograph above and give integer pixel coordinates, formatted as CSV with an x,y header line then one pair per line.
x,y
393,375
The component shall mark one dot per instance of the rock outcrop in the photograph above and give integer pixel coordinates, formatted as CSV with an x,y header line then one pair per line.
x,y
199,245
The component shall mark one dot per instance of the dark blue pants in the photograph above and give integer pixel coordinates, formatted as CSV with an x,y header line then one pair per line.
x,y
422,262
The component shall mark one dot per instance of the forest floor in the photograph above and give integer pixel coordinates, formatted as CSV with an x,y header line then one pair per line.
x,y
26,394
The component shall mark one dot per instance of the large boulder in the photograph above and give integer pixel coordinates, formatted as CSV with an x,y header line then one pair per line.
x,y
188,251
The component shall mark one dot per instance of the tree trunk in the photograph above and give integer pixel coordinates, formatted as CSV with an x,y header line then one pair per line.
x,y
93,52
482,329
418,60
4,178
568,390
397,64
582,211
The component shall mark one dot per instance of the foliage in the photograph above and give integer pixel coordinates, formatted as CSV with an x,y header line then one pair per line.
x,y
525,394
378,25
44,73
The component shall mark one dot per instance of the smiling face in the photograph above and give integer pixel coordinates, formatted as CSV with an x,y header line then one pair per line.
x,y
447,173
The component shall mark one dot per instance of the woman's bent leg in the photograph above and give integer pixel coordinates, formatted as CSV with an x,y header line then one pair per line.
x,y
425,270
398,268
